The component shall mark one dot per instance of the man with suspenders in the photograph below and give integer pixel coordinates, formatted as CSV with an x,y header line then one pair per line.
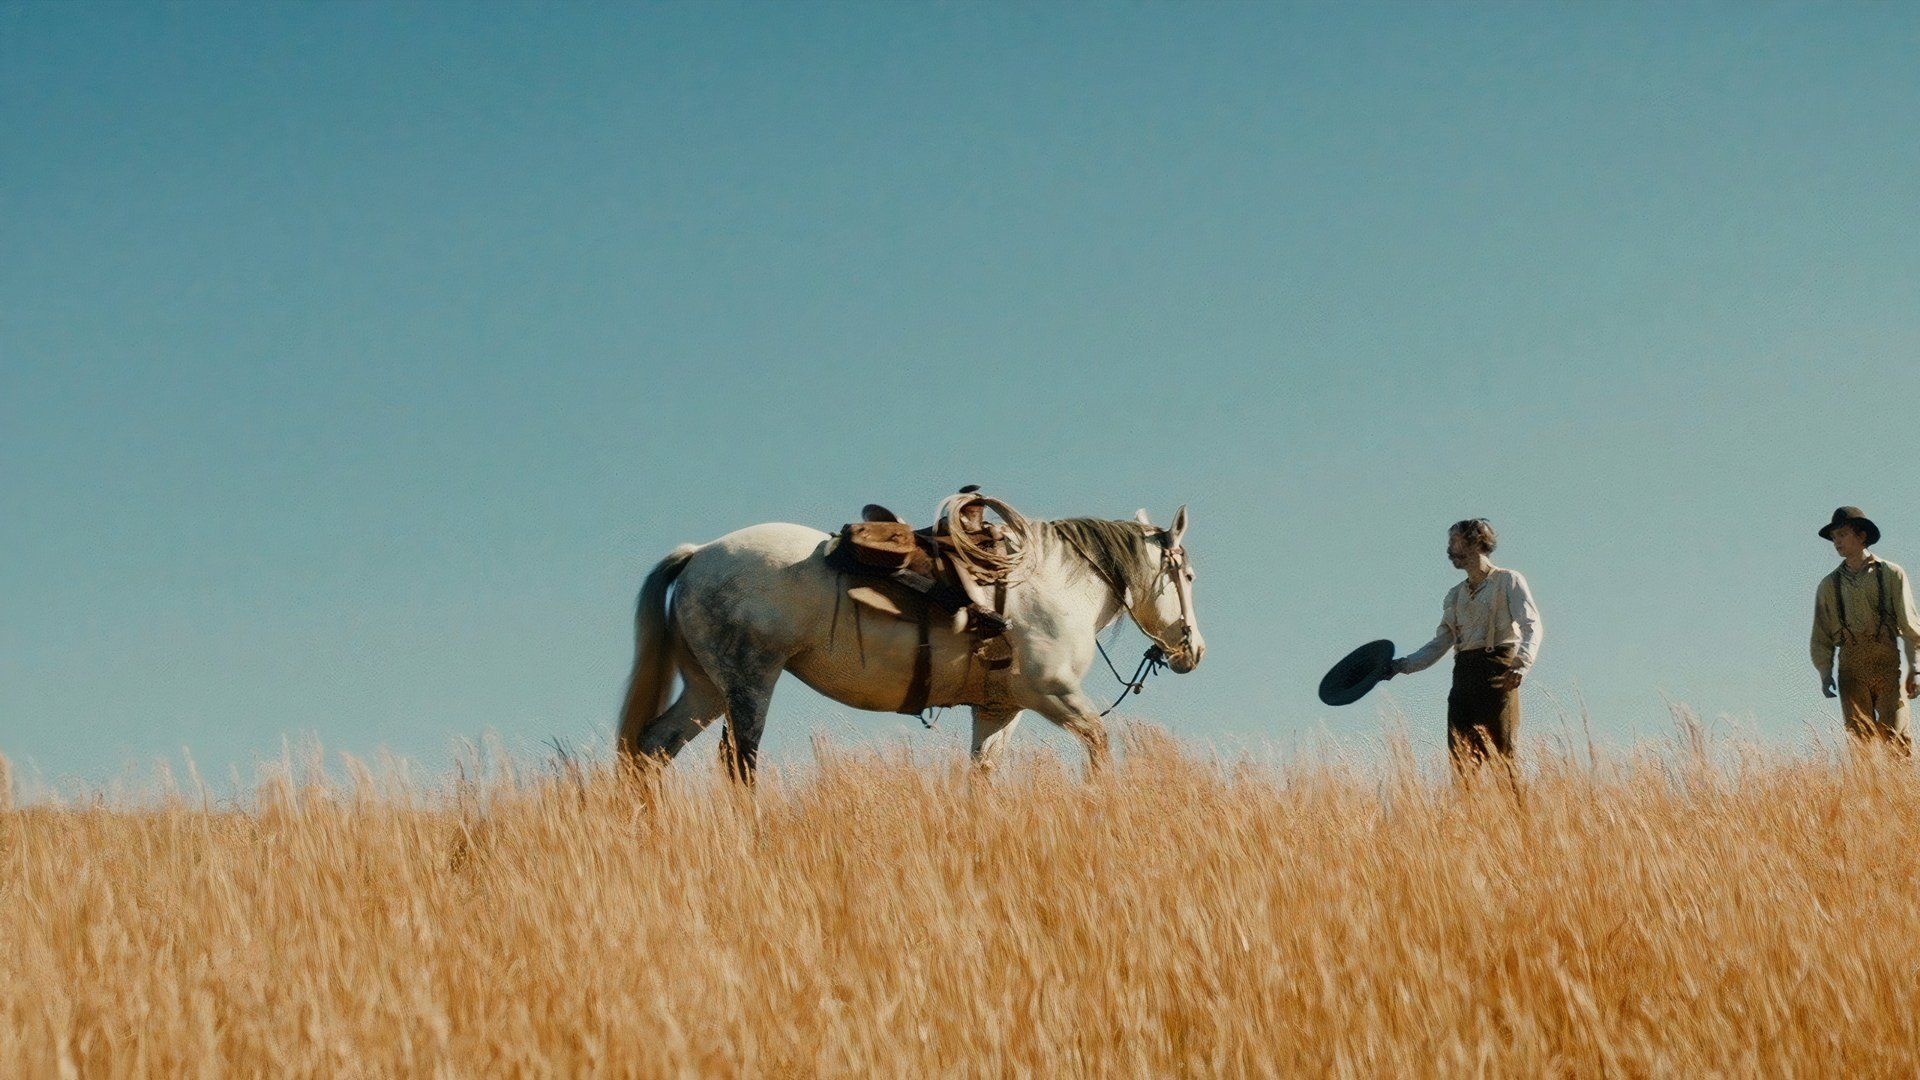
x,y
1491,623
1865,610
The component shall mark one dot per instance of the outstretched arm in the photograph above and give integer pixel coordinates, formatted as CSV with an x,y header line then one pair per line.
x,y
1424,657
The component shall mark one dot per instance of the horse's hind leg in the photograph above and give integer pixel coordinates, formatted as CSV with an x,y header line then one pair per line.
x,y
700,703
747,687
745,715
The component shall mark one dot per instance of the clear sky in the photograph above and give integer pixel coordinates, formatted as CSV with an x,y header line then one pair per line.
x,y
356,361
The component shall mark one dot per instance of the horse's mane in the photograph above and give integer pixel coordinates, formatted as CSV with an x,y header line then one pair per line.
x,y
1112,546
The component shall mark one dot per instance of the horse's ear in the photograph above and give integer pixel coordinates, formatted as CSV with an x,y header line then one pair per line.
x,y
1179,529
1140,516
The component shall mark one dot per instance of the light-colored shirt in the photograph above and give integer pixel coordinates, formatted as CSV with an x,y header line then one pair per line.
x,y
1867,620
1500,612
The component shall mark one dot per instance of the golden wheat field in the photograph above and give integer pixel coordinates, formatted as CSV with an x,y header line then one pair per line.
x,y
876,915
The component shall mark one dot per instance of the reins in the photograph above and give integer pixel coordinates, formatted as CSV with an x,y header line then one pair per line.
x,y
1150,664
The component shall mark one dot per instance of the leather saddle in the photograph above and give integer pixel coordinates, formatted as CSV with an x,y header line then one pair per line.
x,y
881,547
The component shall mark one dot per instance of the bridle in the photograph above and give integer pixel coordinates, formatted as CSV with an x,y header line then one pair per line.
x,y
1173,563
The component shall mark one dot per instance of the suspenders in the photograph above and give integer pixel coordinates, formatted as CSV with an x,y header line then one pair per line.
x,y
1840,602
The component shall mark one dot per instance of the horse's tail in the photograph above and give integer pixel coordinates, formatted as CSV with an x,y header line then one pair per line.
x,y
653,649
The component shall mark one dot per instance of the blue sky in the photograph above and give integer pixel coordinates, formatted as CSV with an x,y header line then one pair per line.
x,y
356,361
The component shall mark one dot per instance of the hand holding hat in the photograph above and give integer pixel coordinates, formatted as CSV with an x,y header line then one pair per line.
x,y
1349,680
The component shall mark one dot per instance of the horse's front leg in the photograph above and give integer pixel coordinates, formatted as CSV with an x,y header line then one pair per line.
x,y
1063,702
992,727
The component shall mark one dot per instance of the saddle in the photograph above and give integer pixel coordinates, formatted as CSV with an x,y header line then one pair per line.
x,y
910,573
883,547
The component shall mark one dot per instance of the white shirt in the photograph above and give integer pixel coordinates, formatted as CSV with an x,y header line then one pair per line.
x,y
1500,612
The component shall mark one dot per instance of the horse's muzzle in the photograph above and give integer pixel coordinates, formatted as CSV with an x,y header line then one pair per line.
x,y
1189,655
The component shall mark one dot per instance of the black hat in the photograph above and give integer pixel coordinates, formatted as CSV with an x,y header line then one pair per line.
x,y
1349,680
1851,515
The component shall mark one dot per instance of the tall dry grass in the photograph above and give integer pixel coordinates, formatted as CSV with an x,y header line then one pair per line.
x,y
1653,916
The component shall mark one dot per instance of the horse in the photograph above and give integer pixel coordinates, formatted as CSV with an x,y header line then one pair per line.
x,y
762,600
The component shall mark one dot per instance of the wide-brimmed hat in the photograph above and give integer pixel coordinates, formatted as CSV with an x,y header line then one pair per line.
x,y
1851,515
1349,680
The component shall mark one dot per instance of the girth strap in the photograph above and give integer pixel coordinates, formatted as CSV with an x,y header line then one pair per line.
x,y
920,684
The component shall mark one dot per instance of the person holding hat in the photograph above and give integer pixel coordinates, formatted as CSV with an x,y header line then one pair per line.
x,y
1493,626
1862,609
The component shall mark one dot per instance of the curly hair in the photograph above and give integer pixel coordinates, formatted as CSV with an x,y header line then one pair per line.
x,y
1477,532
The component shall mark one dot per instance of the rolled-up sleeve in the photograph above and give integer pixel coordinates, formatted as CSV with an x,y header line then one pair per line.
x,y
1526,618
1423,657
1905,616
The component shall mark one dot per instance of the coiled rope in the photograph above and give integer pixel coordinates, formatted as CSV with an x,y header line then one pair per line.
x,y
988,566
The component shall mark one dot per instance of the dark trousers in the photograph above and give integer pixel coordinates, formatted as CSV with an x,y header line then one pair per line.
x,y
1482,719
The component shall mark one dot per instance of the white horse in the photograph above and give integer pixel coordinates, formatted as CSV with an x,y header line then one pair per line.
x,y
762,600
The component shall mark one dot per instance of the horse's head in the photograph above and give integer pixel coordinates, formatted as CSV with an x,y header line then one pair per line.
x,y
1166,611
